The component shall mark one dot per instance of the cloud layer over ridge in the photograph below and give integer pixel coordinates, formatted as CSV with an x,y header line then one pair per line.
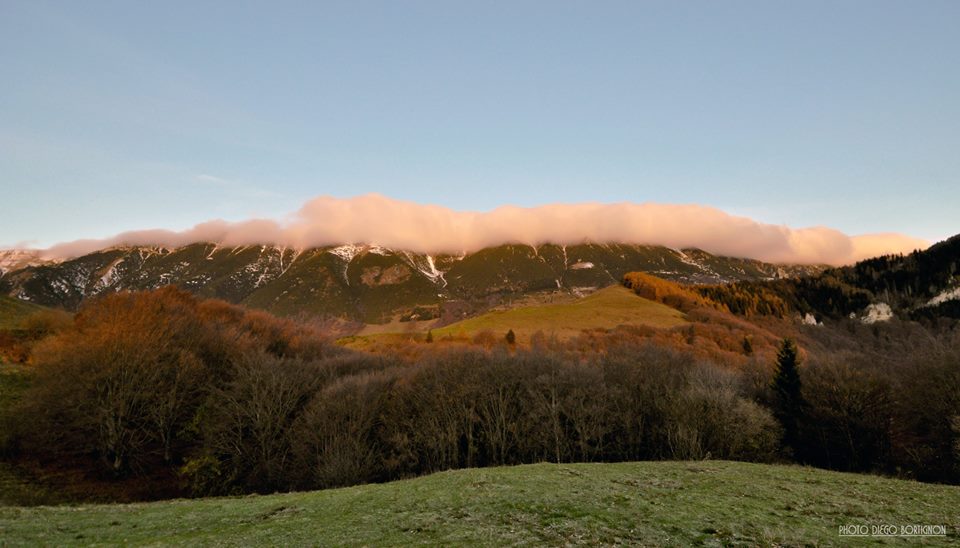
x,y
399,224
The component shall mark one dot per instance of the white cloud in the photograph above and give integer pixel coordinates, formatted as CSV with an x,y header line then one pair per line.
x,y
377,219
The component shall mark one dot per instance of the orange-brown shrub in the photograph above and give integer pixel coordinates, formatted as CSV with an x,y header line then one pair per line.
x,y
124,383
663,291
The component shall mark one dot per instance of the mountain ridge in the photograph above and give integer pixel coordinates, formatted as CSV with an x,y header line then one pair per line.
x,y
364,282
922,284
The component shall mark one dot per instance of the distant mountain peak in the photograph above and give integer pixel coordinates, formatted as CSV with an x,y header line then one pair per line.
x,y
15,259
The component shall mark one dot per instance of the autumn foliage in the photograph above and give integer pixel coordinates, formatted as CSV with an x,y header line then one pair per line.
x,y
126,382
218,399
663,291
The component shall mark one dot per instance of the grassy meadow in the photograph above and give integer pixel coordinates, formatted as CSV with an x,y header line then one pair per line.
x,y
604,309
13,311
709,503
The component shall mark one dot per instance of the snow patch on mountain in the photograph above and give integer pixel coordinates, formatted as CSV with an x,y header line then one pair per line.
x,y
434,274
108,277
686,259
944,296
425,265
346,252
293,259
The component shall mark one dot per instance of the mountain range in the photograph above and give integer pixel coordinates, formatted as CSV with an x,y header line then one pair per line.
x,y
366,283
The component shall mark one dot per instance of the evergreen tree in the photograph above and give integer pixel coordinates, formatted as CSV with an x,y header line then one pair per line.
x,y
747,345
788,404
429,336
511,337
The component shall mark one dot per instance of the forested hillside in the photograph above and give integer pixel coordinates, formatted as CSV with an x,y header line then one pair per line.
x,y
202,397
923,284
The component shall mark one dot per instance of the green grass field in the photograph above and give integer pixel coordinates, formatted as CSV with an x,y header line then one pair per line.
x,y
13,311
605,309
709,503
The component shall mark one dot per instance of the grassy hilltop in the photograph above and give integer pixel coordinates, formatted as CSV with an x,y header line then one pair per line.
x,y
605,309
649,503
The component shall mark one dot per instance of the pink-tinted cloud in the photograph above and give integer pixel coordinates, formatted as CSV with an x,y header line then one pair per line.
x,y
377,219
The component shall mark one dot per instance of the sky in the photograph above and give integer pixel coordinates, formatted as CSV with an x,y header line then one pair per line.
x,y
120,116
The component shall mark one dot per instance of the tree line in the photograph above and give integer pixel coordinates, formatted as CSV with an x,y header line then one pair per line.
x,y
225,400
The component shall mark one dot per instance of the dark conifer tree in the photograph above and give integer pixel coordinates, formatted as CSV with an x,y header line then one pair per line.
x,y
788,404
747,345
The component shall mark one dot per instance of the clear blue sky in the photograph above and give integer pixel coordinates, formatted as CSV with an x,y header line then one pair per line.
x,y
128,115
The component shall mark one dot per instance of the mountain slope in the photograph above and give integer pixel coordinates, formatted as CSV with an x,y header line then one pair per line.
x,y
921,284
370,283
13,311
641,503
